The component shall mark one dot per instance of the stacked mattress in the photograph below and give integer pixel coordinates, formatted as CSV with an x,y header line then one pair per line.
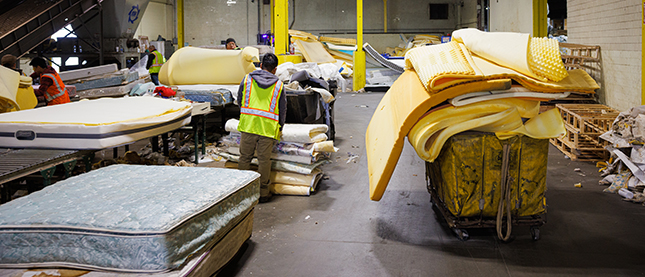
x,y
118,218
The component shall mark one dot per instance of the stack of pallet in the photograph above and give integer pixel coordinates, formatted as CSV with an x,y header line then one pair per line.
x,y
584,124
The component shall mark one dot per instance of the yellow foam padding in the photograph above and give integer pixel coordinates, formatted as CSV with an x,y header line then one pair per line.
x,y
534,57
26,98
101,112
501,117
431,132
344,41
578,80
284,189
546,125
314,51
9,80
400,108
192,66
295,179
302,35
439,66
449,64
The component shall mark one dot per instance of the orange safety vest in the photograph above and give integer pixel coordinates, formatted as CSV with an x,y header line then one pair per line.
x,y
56,93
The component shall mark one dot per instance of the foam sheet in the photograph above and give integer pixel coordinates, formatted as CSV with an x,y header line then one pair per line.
x,y
118,218
92,124
193,66
401,107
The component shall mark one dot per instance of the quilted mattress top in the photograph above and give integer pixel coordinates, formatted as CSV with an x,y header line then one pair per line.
x,y
126,199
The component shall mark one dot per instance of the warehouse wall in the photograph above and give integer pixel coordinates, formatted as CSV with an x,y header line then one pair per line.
x,y
511,16
208,22
157,20
614,26
339,16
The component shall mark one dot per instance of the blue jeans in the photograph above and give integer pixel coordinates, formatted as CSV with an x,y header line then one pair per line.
x,y
155,78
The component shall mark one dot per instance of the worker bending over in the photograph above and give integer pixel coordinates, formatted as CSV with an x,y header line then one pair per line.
x,y
263,110
9,61
51,90
155,61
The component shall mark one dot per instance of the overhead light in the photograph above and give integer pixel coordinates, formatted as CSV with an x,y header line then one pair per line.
x,y
231,2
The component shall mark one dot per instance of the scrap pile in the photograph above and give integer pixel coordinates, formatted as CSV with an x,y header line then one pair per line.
x,y
496,82
16,92
625,170
296,159
100,81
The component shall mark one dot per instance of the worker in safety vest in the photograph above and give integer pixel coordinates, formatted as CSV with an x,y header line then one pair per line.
x,y
263,110
51,90
155,61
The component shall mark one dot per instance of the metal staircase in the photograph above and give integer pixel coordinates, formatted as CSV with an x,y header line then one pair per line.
x,y
29,24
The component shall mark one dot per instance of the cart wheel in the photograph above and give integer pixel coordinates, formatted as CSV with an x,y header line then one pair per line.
x,y
462,234
535,233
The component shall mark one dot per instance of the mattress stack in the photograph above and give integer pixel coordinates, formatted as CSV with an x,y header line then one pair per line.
x,y
101,81
295,160
117,218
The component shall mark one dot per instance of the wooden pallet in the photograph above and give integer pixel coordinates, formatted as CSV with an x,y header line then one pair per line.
x,y
586,57
580,155
584,124
588,119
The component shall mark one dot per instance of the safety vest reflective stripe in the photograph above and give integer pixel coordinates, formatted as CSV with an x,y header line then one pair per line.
x,y
260,113
274,97
247,92
158,59
60,90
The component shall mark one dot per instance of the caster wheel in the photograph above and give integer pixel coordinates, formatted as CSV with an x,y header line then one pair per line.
x,y
462,234
535,233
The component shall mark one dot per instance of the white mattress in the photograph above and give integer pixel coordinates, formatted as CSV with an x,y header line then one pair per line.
x,y
92,124
129,218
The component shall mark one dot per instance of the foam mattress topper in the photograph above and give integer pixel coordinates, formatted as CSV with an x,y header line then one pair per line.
x,y
92,124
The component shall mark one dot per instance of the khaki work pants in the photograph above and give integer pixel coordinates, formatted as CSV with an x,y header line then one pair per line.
x,y
249,144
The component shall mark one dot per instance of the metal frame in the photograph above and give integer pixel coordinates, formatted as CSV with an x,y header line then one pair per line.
x,y
36,30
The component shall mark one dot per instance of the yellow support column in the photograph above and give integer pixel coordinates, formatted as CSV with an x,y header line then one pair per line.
x,y
385,16
643,51
359,54
180,23
281,24
540,26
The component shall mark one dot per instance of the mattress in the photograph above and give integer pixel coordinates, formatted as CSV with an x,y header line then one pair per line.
x,y
92,124
118,218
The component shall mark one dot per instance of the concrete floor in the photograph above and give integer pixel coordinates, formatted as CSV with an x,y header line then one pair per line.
x,y
339,231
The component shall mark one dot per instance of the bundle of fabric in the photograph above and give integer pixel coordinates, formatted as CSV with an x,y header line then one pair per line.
x,y
296,159
476,70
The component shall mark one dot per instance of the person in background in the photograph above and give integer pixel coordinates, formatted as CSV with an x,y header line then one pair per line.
x,y
51,90
9,61
263,111
155,61
231,44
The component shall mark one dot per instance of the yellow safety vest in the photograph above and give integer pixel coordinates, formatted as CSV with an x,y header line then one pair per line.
x,y
157,62
259,111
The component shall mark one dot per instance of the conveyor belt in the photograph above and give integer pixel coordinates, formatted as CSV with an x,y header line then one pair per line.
x,y
17,163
